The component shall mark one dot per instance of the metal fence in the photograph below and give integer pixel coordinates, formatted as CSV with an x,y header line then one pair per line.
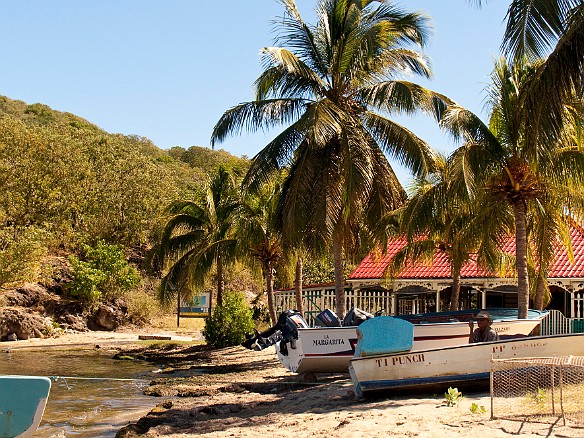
x,y
546,388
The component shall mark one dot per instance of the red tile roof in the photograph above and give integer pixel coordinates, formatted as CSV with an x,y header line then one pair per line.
x,y
374,265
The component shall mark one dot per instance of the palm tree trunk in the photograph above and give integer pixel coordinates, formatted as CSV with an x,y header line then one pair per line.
x,y
541,293
455,294
521,258
269,276
339,279
220,281
298,286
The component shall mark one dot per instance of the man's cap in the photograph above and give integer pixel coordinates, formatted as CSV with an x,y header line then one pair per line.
x,y
482,314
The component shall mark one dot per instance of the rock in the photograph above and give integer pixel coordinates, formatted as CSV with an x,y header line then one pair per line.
x,y
23,324
106,318
61,273
27,295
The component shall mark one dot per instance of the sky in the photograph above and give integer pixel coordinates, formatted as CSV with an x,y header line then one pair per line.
x,y
168,69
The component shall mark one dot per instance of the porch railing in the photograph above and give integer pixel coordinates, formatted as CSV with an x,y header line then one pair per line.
x,y
555,323
315,301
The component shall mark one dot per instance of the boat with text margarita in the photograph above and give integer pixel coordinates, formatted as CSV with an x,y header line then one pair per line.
x,y
305,349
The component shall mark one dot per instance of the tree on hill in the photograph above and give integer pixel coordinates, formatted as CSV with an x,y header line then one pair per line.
x,y
198,236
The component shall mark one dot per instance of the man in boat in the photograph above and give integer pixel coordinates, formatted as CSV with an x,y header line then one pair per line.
x,y
484,332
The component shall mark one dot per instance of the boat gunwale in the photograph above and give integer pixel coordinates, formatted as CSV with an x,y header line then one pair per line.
x,y
470,345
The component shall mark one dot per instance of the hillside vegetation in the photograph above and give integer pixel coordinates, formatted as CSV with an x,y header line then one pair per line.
x,y
66,185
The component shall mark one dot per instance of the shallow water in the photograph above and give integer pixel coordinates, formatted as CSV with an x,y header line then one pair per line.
x,y
91,394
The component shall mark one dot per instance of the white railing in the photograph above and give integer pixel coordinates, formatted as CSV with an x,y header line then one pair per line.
x,y
577,304
315,301
555,323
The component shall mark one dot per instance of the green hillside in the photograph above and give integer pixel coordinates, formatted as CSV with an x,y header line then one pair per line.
x,y
65,183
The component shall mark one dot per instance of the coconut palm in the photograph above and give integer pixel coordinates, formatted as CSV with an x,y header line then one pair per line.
x,y
436,218
553,219
197,238
329,85
504,161
259,237
554,30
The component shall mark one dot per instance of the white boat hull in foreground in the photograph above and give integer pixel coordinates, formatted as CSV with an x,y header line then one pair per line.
x,y
464,366
329,349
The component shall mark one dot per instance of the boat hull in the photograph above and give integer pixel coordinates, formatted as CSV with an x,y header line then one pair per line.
x,y
22,403
464,366
329,349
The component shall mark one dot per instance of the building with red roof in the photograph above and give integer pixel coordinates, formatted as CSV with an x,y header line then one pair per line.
x,y
425,287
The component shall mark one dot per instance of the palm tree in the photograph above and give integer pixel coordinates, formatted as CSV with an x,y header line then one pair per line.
x,y
435,218
329,84
504,161
197,237
259,236
554,30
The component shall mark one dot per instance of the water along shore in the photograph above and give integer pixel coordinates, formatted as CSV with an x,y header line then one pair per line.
x,y
236,392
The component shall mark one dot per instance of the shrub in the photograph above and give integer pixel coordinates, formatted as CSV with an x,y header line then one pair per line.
x,y
229,322
21,249
104,275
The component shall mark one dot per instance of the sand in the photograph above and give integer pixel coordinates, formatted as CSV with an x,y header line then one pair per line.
x,y
234,392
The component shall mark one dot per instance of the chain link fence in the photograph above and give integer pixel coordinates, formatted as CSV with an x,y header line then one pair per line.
x,y
538,389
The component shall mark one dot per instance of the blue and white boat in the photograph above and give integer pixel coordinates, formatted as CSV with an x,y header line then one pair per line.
x,y
22,404
384,366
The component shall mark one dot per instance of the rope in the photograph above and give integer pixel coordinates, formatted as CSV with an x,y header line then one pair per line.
x,y
65,378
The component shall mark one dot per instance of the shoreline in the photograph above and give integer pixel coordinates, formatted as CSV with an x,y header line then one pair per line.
x,y
242,393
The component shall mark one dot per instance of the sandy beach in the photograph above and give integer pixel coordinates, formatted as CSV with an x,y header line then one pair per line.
x,y
241,393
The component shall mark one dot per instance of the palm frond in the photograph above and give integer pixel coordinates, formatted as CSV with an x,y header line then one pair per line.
x,y
401,143
252,116
534,26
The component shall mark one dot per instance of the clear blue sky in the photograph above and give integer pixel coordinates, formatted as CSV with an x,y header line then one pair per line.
x,y
167,69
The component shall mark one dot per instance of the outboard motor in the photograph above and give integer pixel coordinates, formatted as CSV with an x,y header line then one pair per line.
x,y
356,316
327,318
284,331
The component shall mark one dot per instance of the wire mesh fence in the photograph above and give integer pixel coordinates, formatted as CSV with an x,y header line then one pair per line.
x,y
538,389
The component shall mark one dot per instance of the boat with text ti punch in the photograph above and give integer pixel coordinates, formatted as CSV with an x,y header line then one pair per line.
x,y
22,404
386,366
328,348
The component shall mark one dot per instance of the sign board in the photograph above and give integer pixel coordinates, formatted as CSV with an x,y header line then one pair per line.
x,y
198,307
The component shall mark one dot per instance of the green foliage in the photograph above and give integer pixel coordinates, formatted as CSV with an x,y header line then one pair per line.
x,y
539,397
21,250
104,275
452,397
476,409
229,322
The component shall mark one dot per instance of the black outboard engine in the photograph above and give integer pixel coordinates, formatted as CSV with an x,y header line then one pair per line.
x,y
327,318
356,317
285,331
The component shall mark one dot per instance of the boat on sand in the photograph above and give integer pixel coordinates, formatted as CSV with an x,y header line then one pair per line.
x,y
304,349
464,366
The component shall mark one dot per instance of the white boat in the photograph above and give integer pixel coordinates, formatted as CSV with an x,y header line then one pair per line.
x,y
464,366
329,349
22,404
